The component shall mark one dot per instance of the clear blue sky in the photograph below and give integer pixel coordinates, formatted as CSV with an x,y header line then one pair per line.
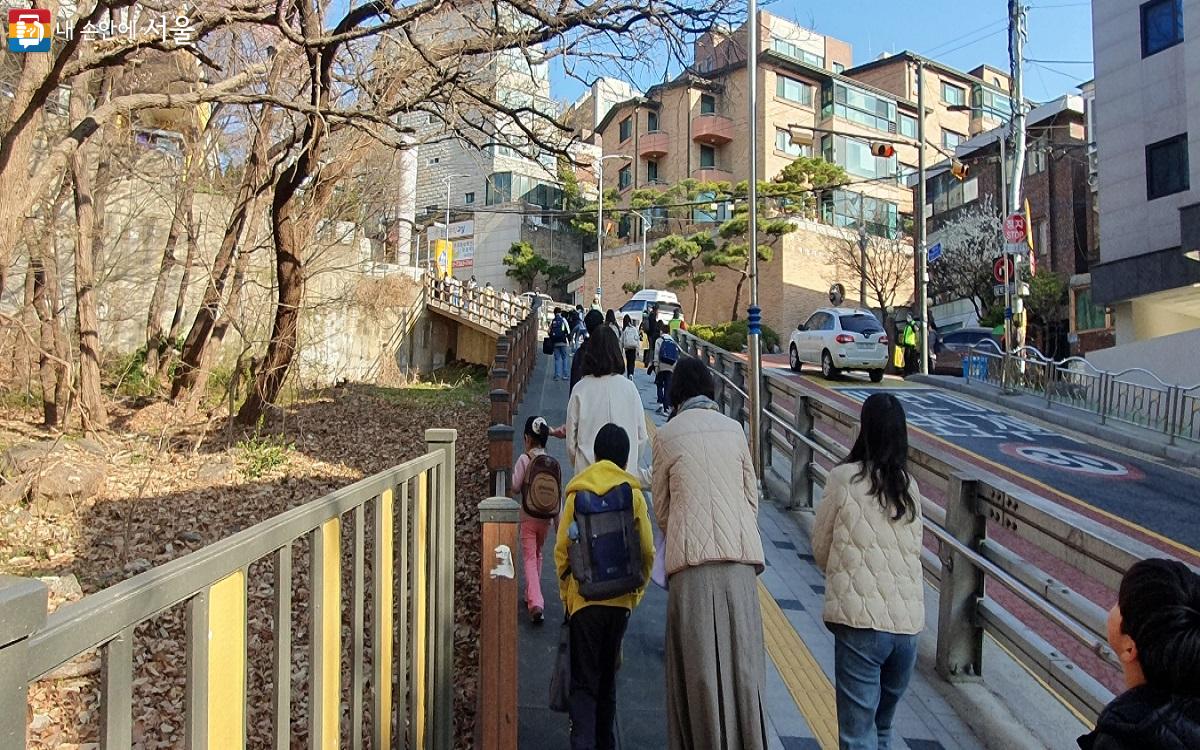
x,y
960,33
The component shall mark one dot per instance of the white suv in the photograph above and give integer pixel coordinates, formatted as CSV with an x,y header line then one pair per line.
x,y
840,338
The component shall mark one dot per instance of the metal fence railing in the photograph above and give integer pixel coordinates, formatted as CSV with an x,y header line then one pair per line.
x,y
404,516
1134,396
988,533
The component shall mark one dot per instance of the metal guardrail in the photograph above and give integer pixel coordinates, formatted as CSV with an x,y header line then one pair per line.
x,y
406,512
1134,396
984,518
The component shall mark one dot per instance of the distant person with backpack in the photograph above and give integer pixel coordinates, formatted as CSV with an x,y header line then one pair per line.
x,y
537,478
650,326
558,338
592,322
603,552
631,339
706,501
666,354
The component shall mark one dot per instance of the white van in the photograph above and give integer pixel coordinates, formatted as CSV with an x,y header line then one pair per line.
x,y
639,303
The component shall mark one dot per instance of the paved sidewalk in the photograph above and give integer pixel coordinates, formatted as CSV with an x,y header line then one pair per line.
x,y
800,701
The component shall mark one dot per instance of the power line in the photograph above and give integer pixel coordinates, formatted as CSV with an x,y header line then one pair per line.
x,y
959,37
973,42
1061,62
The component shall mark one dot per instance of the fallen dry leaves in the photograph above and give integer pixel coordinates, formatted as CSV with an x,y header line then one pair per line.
x,y
173,487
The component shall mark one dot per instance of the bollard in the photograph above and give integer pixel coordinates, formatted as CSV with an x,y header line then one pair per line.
x,y
500,405
497,716
960,633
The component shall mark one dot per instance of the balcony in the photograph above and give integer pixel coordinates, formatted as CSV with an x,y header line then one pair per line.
x,y
712,174
712,129
654,144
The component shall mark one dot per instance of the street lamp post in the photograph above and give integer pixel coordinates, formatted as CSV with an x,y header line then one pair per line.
x,y
645,222
754,312
600,225
923,257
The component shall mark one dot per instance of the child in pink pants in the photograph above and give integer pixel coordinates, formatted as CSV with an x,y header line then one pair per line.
x,y
533,530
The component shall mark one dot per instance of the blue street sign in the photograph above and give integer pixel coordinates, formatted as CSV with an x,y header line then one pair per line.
x,y
935,251
1008,313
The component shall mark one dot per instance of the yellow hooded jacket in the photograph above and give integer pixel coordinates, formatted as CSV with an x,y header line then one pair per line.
x,y
599,478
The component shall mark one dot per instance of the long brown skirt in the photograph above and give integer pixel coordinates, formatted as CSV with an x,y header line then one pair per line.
x,y
715,659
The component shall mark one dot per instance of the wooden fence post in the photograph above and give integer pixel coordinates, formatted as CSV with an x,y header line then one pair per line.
x,y
960,632
22,611
500,456
497,715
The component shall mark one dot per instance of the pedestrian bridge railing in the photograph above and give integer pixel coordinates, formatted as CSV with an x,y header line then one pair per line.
x,y
1134,396
997,553
489,309
402,688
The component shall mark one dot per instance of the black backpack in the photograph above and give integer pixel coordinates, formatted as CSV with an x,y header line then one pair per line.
x,y
605,555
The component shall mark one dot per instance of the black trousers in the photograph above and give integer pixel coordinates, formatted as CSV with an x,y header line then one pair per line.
x,y
596,634
630,361
912,360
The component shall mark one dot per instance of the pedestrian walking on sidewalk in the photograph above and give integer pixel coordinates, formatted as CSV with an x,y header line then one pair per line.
x,y
602,395
592,322
706,502
666,354
610,320
867,539
1154,629
631,339
558,337
601,499
535,476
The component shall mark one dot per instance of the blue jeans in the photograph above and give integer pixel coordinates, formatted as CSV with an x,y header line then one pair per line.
x,y
561,368
872,670
663,381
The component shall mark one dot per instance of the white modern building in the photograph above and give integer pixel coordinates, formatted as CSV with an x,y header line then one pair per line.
x,y
1147,133
586,113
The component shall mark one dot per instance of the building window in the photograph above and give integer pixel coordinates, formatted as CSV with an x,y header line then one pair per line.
x,y
1041,239
793,90
1162,25
838,67
433,160
844,209
652,171
953,95
856,157
1088,316
708,157
988,103
468,198
783,143
1037,157
908,126
651,122
625,177
856,105
794,51
626,129
708,104
950,139
1167,167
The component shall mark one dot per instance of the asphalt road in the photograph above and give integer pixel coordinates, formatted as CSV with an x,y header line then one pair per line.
x,y
1149,494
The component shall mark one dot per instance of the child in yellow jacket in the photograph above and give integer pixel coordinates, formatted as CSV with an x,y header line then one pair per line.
x,y
597,627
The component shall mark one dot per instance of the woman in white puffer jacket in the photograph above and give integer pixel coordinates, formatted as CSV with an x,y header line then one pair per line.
x,y
867,539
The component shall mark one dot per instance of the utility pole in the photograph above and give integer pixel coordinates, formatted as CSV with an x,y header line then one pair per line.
x,y
1016,52
600,230
923,256
862,251
754,313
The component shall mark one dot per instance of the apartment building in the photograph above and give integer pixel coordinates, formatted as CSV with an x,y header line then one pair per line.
x,y
1147,115
696,126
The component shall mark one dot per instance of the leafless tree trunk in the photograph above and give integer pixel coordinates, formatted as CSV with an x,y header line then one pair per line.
x,y
91,401
229,313
53,353
167,356
156,342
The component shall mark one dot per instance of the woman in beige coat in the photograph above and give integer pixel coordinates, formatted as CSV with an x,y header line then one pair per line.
x,y
706,500
867,539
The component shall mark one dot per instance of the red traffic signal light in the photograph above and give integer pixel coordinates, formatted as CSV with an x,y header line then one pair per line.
x,y
958,169
883,149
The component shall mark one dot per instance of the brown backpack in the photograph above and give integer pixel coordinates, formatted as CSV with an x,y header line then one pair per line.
x,y
541,494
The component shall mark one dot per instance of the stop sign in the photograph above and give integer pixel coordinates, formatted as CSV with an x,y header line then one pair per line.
x,y
1015,229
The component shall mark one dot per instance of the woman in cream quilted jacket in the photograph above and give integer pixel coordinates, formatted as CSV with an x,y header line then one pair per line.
x,y
706,501
867,539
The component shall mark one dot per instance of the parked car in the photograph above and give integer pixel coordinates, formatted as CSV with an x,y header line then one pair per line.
x,y
957,344
840,338
639,303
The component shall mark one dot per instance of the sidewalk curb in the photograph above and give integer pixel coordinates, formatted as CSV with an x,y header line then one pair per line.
x,y
1064,418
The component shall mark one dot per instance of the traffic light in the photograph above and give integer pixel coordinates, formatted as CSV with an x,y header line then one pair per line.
x,y
958,169
883,149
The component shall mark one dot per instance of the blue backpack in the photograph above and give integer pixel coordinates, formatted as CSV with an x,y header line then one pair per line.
x,y
668,352
605,552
